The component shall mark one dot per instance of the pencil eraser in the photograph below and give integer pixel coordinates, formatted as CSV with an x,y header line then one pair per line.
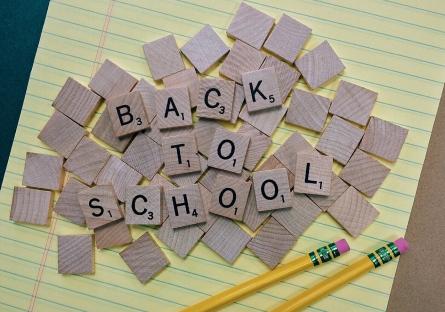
x,y
402,245
342,246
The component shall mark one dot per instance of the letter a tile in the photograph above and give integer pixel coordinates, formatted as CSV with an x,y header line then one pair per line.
x,y
173,108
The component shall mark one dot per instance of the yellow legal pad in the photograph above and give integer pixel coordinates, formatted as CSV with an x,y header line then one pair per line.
x,y
396,49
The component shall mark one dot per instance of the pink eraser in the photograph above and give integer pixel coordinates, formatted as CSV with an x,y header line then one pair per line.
x,y
402,245
342,246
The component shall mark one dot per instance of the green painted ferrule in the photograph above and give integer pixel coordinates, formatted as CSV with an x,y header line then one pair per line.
x,y
394,249
384,254
323,253
374,260
314,258
334,250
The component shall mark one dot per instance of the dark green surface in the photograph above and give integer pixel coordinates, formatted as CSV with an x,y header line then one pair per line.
x,y
20,28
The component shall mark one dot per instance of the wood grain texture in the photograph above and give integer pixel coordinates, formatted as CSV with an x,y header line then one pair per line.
x,y
204,132
103,130
209,179
113,234
238,100
273,163
75,254
190,178
272,189
252,217
157,135
180,155
143,205
173,108
166,185
313,174
287,153
31,206
259,144
261,89
215,98
185,78
338,187
147,92
266,121
189,208
43,171
206,196
67,204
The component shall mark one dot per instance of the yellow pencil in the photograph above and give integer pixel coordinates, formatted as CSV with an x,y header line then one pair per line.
x,y
313,258
362,266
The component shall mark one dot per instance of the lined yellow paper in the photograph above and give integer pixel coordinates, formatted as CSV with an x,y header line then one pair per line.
x,y
394,48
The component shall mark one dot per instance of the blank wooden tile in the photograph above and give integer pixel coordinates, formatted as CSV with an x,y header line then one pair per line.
x,y
228,150
99,206
271,243
226,238
61,134
163,57
273,163
43,171
147,92
319,65
190,178
252,217
266,121
180,155
287,38
68,204
339,139
31,206
87,160
238,100
206,196
272,189
185,78
144,258
287,153
113,234
76,101
111,80
215,98
383,139
209,179
75,254
313,174
103,130
173,108
261,89
259,144
204,132
364,173
166,185
308,110
157,135
241,58
250,25
204,49
353,212
338,187
143,205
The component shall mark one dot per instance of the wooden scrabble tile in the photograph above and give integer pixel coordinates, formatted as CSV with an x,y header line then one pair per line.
x,y
364,173
241,58
67,204
31,206
261,89
259,144
147,92
204,132
272,189
127,114
287,153
273,163
99,206
313,174
173,108
383,139
163,57
61,134
76,101
43,171
103,130
353,212
319,65
205,49
215,98
166,185
87,160
185,206
156,134
144,156
228,150
226,238
190,178
75,254
111,80
119,175
238,100
266,121
338,187
252,217
308,110
271,243
143,205
287,38
209,179
180,155
185,78
144,258
250,25
206,196
113,234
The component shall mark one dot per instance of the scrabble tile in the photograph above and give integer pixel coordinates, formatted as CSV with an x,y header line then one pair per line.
x,y
338,187
215,98
127,114
143,205
228,150
31,206
82,164
353,102
61,134
261,89
190,178
241,58
173,108
180,155
157,135
144,156
119,175
206,196
76,101
205,49
271,243
319,65
68,205
272,189
238,100
339,139
113,234
364,173
308,110
250,25
226,238
99,206
273,163
313,174
287,153
353,212
147,92
75,254
163,57
144,258
299,217
383,139
166,185
204,132
252,217
259,144
185,206
43,171
111,80
185,78
103,130
266,121
287,38
209,179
